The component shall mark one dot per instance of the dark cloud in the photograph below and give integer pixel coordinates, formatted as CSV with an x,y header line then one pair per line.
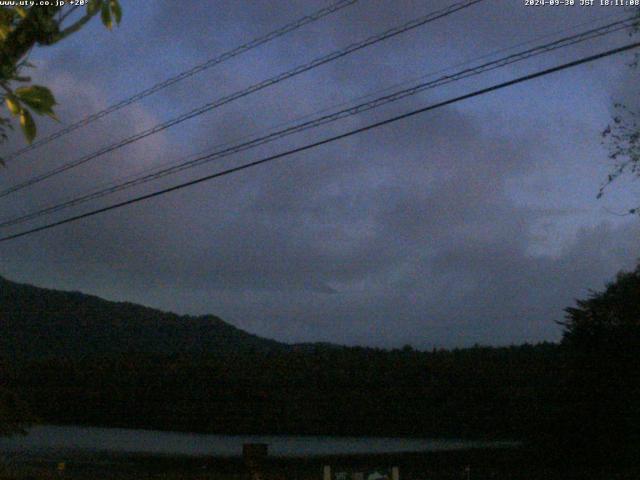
x,y
473,223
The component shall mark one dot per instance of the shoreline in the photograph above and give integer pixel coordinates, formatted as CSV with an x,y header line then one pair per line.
x,y
487,463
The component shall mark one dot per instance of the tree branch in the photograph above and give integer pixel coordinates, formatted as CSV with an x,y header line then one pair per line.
x,y
63,17
76,26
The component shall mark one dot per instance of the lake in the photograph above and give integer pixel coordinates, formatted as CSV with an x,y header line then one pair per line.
x,y
49,439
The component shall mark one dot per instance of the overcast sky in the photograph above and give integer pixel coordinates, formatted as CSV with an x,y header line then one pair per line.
x,y
474,223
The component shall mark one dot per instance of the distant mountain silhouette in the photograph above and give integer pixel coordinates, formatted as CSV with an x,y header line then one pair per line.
x,y
78,359
37,322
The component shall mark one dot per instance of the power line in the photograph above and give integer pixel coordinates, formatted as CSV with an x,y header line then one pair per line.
x,y
323,12
334,138
325,119
370,94
124,178
242,93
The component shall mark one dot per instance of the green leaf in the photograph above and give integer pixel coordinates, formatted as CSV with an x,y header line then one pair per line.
x,y
28,125
13,104
21,11
4,31
92,6
39,98
105,14
116,10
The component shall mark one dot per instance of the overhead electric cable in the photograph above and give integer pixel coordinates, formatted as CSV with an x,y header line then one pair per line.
x,y
423,20
362,107
312,17
331,139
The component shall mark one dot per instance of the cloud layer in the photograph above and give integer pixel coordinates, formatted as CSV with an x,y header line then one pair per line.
x,y
473,223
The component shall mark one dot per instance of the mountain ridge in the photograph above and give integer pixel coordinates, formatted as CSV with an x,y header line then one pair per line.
x,y
39,322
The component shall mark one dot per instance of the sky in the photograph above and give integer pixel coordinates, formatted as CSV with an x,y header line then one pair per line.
x,y
473,223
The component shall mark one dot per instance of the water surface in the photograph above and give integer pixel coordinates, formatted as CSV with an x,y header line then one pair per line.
x,y
49,439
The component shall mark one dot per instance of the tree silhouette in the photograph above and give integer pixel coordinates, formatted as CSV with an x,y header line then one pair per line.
x,y
21,29
623,135
602,333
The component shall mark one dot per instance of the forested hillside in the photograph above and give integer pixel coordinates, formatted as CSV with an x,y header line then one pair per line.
x,y
350,391
40,323
71,358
